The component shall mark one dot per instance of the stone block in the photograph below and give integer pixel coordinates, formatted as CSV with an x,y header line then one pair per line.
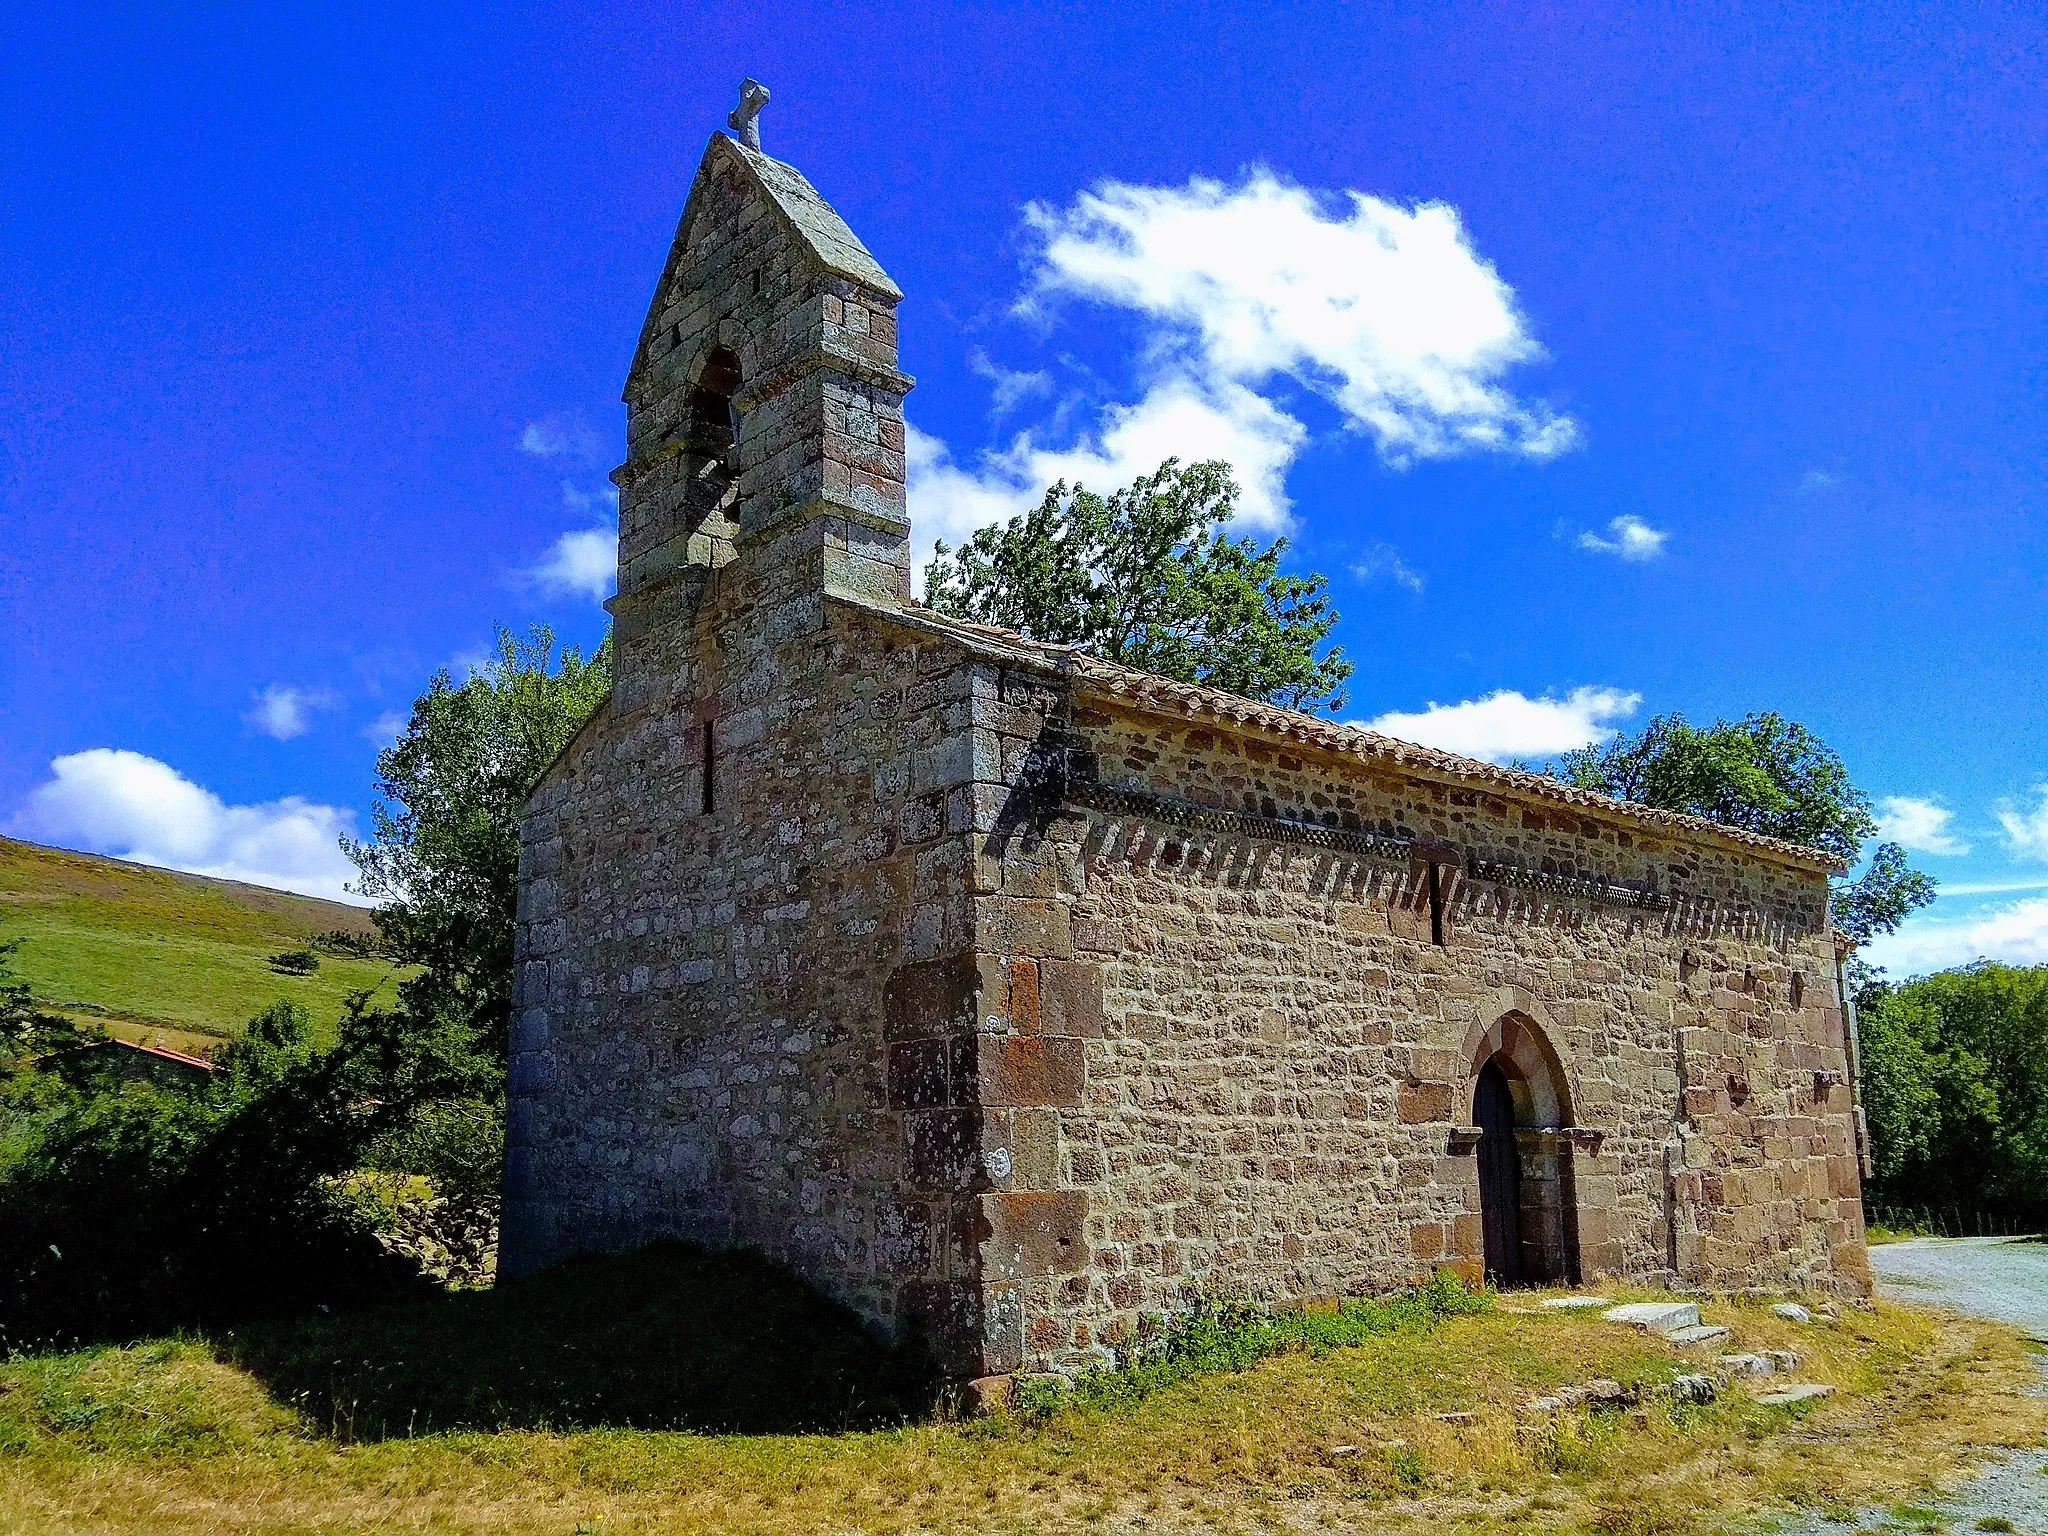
x,y
1664,1317
1801,1392
1424,1103
1070,993
1032,1234
942,1148
1031,1069
932,997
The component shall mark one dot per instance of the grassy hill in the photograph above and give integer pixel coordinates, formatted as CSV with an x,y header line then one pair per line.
x,y
175,960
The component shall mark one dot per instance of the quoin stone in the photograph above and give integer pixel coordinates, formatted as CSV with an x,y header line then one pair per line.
x,y
1009,995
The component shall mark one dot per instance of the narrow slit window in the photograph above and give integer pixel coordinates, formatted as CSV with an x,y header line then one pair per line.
x,y
709,746
1436,908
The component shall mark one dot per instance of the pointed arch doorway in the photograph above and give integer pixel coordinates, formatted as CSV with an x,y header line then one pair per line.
x,y
1500,1176
1522,1113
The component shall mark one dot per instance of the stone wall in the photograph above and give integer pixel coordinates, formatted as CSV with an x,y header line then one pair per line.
x,y
699,1046
1260,1059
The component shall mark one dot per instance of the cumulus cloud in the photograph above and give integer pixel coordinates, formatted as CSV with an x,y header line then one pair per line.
x,y
135,807
2016,933
2026,832
1008,387
1628,537
1243,290
284,713
1387,311
385,730
1384,560
1506,724
1178,418
1921,825
581,563
564,434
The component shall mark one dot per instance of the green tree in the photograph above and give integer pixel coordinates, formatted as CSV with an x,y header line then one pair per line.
x,y
444,854
1769,775
27,1033
1955,1069
1146,577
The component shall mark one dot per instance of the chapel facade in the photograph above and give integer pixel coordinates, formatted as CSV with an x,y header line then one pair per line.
x,y
1007,994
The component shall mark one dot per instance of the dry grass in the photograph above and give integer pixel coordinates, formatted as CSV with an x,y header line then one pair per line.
x,y
167,1438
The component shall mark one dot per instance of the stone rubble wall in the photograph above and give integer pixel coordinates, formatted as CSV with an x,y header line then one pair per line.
x,y
700,1018
1258,1060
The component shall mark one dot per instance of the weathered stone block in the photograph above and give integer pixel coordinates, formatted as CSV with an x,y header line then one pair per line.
x,y
1425,1103
1031,1070
1027,1234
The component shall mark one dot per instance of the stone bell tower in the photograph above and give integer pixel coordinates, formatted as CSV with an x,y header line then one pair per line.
x,y
764,420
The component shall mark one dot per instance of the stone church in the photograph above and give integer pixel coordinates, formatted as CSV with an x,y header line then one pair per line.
x,y
1007,994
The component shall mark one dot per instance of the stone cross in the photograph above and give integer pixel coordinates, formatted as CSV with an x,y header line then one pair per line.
x,y
744,119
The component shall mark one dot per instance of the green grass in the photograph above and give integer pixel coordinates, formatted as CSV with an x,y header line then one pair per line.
x,y
173,959
1229,1336
675,1391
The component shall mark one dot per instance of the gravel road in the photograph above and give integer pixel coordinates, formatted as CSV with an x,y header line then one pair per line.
x,y
1995,1277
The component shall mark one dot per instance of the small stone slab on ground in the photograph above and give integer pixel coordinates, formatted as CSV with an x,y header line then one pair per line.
x,y
1694,1388
1792,1312
1699,1333
1573,1303
1804,1392
1770,1362
1656,1316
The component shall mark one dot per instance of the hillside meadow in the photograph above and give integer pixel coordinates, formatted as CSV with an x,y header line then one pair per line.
x,y
169,959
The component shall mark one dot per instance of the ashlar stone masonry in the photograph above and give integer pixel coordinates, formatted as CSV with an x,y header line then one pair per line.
x,y
1009,995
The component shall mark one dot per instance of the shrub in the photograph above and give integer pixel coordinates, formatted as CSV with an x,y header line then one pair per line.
x,y
125,1208
295,962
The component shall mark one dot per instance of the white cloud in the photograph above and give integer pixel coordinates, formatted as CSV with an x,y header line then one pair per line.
x,y
1506,724
582,563
1387,311
385,730
1009,386
135,807
283,712
604,500
1920,825
2026,832
564,434
1628,538
1384,560
2016,933
1177,418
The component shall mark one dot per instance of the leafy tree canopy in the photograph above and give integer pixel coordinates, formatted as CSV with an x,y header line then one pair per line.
x,y
27,1033
1769,775
444,853
1955,1084
1145,577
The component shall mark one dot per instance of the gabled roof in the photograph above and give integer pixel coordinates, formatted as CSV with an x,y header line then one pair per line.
x,y
816,223
1147,690
804,213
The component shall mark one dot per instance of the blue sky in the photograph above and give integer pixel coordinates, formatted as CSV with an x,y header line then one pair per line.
x,y
1610,362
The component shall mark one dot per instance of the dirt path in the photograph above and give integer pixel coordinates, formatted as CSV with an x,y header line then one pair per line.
x,y
2004,1279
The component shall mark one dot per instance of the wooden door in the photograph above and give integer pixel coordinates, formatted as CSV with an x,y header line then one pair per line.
x,y
1500,1176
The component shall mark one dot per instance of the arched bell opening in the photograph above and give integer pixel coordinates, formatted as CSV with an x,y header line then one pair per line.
x,y
1521,1106
710,433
